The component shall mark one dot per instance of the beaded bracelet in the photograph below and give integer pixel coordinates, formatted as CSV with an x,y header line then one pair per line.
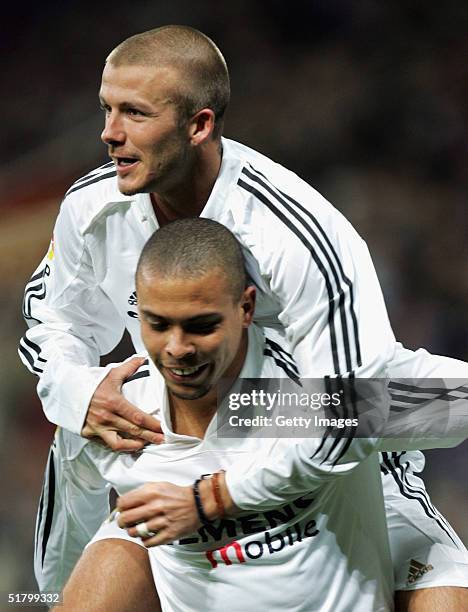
x,y
201,513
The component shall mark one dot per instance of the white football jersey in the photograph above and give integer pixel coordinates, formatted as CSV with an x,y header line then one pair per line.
x,y
326,549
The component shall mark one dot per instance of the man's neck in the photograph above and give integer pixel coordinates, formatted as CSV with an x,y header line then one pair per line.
x,y
192,417
189,197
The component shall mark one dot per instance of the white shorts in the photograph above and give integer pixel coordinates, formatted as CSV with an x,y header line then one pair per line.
x,y
73,504
426,551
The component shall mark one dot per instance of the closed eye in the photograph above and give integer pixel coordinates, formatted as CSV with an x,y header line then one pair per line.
x,y
201,329
158,327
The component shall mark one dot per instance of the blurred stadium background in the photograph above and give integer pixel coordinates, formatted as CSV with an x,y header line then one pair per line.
x,y
367,100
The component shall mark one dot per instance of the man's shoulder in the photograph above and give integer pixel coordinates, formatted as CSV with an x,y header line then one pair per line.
x,y
92,194
250,158
269,185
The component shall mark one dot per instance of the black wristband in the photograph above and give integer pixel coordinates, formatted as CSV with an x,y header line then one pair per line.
x,y
201,513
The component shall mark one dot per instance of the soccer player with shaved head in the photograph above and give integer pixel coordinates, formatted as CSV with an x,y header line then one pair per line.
x,y
164,93
196,310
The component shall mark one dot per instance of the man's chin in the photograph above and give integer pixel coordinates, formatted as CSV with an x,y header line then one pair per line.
x,y
128,190
190,393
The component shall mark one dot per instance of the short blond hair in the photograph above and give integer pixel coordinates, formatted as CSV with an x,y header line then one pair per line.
x,y
204,76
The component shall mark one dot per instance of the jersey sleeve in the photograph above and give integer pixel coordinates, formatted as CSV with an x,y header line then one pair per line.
x,y
429,401
71,324
292,468
332,309
320,273
335,320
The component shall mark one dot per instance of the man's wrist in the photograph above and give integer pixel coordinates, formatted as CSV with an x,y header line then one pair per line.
x,y
213,508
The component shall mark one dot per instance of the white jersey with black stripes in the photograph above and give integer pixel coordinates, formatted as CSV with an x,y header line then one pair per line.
x,y
308,540
315,279
314,276
67,518
292,535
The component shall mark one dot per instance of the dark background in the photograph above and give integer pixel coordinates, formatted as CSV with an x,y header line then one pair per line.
x,y
367,100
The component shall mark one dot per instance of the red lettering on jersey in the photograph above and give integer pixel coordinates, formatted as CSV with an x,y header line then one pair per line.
x,y
223,551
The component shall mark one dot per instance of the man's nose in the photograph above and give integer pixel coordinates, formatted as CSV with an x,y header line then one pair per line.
x,y
113,132
179,345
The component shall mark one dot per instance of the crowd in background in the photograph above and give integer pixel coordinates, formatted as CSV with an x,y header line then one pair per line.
x,y
366,100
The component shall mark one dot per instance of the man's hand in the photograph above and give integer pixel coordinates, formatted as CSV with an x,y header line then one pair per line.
x,y
168,510
113,419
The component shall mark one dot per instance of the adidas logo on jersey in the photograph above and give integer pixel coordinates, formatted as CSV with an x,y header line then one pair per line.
x,y
417,570
133,300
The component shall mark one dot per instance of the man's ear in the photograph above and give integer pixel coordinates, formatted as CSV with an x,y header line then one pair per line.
x,y
248,304
201,126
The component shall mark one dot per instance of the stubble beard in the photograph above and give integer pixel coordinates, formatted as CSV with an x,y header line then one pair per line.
x,y
196,393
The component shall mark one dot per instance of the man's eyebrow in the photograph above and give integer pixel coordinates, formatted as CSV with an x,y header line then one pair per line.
x,y
209,317
153,315
125,105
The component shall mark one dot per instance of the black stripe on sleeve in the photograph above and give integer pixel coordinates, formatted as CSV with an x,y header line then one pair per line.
x,y
35,347
136,376
410,388
305,242
284,365
40,274
279,348
409,399
92,174
282,353
32,296
337,260
38,520
37,292
341,442
315,247
328,430
24,351
335,267
50,505
401,393
351,430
